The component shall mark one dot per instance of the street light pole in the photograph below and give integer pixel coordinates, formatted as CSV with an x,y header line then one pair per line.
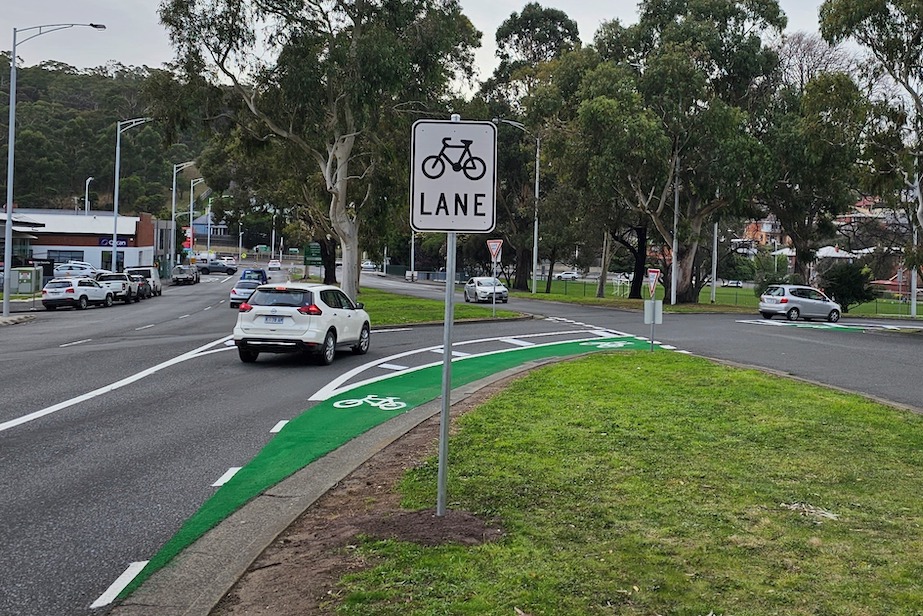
x,y
208,222
86,196
123,126
176,168
192,184
8,228
538,149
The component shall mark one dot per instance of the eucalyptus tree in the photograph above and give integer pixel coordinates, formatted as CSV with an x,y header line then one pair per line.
x,y
697,69
320,75
892,31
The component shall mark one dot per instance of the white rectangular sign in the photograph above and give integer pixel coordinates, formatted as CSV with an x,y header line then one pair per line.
x,y
453,176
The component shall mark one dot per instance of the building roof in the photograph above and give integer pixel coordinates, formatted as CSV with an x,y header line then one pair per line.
x,y
93,223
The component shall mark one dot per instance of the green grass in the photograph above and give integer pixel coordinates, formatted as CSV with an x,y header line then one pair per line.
x,y
390,309
658,483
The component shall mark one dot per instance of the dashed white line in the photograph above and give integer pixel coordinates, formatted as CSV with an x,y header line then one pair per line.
x,y
137,329
395,367
184,316
207,308
226,477
517,342
73,343
119,584
278,427
454,353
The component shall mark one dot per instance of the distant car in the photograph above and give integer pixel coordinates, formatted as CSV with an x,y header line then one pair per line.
x,y
69,270
122,286
228,261
567,276
484,289
258,274
732,283
184,274
215,266
242,291
144,287
274,265
798,302
75,293
369,266
295,317
152,274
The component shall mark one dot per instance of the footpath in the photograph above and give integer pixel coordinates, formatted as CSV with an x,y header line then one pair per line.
x,y
310,455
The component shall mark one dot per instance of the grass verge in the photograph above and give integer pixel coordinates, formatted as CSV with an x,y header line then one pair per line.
x,y
391,309
658,483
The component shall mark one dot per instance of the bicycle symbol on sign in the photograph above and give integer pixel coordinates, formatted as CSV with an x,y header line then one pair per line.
x,y
473,167
389,403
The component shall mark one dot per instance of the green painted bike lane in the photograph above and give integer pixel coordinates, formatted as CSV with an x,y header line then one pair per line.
x,y
325,427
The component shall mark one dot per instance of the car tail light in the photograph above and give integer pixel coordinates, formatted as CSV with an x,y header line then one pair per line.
x,y
44,291
311,310
245,307
784,300
69,290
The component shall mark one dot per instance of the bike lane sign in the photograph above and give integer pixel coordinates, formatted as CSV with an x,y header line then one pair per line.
x,y
453,176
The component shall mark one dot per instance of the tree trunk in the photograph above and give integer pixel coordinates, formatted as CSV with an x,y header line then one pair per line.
x,y
606,259
328,257
523,269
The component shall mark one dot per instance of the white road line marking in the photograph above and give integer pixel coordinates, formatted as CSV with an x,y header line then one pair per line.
x,y
119,584
602,333
668,347
517,342
73,343
137,329
107,388
333,387
184,316
454,353
395,367
226,477
208,308
229,343
278,427
388,331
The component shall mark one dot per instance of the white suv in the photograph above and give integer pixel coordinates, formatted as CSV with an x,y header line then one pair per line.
x,y
300,317
75,292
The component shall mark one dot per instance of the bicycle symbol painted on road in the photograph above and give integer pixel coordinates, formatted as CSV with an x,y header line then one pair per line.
x,y
607,344
389,403
473,167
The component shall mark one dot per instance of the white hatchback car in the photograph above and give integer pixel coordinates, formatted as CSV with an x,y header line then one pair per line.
x,y
298,317
567,276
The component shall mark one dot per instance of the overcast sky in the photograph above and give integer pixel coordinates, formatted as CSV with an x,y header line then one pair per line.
x,y
134,36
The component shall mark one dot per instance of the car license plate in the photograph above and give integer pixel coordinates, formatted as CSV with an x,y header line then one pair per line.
x,y
274,320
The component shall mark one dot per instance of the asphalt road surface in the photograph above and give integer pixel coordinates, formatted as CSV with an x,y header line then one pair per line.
x,y
116,422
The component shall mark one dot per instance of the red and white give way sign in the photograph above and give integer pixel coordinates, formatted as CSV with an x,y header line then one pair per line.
x,y
494,247
653,275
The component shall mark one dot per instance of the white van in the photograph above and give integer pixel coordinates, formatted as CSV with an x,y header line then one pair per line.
x,y
152,275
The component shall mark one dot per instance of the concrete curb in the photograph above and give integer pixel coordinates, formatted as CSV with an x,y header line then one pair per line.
x,y
15,319
196,580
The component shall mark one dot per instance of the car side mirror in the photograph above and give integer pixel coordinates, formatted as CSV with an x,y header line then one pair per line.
x,y
360,305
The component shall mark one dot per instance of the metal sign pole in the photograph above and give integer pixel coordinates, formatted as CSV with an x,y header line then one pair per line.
x,y
446,372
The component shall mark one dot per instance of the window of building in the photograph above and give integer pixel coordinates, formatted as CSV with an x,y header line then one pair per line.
x,y
63,256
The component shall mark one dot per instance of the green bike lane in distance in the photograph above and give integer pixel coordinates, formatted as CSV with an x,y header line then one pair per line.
x,y
325,427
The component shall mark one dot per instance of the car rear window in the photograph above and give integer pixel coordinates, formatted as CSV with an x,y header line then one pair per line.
x,y
280,297
112,277
778,291
59,284
247,284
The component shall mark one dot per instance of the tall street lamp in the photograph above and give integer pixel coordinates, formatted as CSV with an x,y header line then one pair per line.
x,y
538,148
86,195
8,230
192,184
123,126
176,169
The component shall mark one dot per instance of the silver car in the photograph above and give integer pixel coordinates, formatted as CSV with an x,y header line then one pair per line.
x,y
797,301
485,289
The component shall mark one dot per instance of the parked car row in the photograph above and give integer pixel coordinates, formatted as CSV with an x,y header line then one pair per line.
x,y
77,284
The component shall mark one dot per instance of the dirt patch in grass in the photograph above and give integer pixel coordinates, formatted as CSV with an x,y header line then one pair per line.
x,y
297,574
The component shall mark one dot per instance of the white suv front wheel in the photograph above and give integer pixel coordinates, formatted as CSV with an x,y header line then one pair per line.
x,y
328,350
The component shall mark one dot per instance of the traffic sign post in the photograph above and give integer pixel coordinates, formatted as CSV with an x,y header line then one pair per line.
x,y
653,309
496,248
453,180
